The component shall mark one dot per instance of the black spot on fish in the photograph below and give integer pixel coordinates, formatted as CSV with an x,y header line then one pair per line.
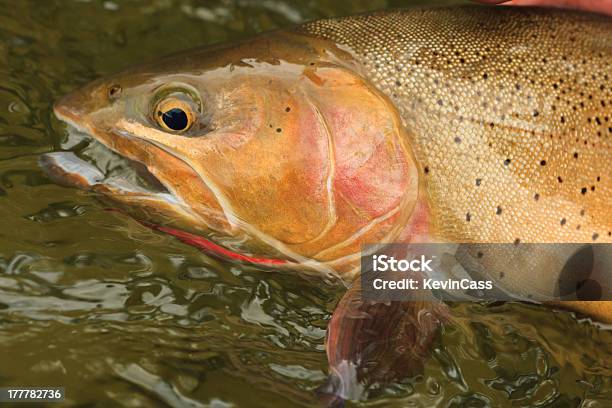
x,y
498,211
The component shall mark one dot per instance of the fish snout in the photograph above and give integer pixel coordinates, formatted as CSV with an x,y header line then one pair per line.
x,y
70,107
75,106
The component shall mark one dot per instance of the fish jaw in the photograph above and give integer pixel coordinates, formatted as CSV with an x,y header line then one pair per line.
x,y
67,169
96,120
171,215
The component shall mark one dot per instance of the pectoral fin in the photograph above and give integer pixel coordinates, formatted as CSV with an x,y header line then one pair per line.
x,y
369,342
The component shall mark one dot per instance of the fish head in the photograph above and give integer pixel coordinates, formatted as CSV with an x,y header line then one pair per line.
x,y
278,143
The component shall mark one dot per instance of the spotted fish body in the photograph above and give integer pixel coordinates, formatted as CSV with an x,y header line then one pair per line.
x,y
508,113
463,125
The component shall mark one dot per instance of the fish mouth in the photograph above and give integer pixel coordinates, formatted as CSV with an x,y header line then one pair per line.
x,y
88,164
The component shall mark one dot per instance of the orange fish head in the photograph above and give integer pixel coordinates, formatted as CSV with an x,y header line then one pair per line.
x,y
278,144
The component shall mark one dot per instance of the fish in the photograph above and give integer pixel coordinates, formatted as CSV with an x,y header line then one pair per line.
x,y
295,148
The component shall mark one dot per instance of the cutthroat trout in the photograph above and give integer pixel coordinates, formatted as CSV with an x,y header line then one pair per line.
x,y
292,149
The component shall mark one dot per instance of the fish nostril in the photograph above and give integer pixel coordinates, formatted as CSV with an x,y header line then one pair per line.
x,y
114,92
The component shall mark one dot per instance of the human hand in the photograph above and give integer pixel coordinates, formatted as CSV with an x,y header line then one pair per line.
x,y
601,6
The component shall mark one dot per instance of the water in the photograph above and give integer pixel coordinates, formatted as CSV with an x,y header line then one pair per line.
x,y
123,316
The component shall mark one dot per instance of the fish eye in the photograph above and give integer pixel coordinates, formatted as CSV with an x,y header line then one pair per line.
x,y
174,114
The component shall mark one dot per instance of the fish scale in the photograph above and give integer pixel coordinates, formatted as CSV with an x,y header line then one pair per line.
x,y
512,132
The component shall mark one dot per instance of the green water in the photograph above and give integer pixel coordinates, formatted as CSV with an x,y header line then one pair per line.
x,y
122,316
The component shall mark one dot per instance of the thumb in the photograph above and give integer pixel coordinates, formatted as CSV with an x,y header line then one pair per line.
x,y
601,6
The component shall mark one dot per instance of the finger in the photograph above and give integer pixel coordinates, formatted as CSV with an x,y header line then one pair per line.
x,y
601,6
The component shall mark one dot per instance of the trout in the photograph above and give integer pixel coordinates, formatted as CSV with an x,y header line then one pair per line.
x,y
294,148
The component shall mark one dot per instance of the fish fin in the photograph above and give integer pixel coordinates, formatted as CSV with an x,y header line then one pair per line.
x,y
377,342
